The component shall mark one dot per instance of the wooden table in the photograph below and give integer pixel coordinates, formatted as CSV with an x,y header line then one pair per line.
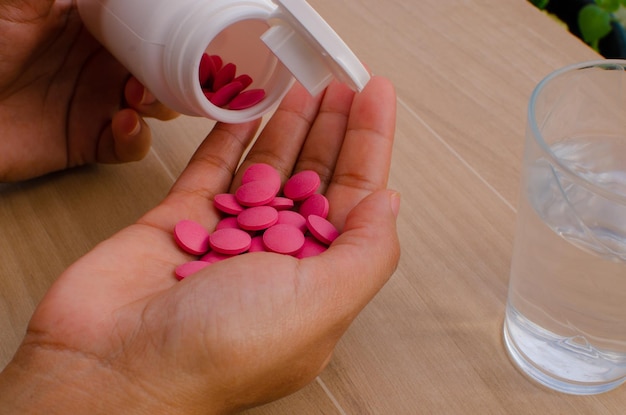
x,y
430,342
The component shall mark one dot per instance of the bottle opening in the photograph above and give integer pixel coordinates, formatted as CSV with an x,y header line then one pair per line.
x,y
239,73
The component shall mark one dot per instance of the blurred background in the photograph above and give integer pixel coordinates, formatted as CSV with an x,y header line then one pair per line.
x,y
598,23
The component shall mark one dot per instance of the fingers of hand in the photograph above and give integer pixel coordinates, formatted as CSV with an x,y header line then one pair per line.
x,y
127,139
280,142
139,98
365,159
323,144
209,172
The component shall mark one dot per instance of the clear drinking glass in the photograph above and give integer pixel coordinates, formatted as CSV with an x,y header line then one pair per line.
x,y
565,323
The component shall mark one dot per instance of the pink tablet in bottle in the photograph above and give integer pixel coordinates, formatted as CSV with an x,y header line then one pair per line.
x,y
247,99
226,93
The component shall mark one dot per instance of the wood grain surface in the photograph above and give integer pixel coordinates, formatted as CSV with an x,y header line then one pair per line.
x,y
430,342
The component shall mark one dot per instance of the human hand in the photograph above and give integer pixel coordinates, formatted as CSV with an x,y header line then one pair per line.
x,y
117,333
64,100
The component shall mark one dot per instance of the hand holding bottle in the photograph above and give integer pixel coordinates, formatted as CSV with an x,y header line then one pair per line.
x,y
64,100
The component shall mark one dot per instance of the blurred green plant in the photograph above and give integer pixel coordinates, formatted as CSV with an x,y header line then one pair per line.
x,y
541,4
594,19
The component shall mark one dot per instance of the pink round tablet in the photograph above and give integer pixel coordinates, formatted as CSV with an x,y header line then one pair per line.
x,y
263,172
256,193
218,62
316,204
283,239
311,247
230,241
213,256
224,75
206,71
257,218
302,185
227,203
244,79
292,218
322,229
189,268
247,99
226,93
257,244
228,222
281,203
191,237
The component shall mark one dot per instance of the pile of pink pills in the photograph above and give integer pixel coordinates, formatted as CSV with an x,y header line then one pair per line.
x,y
223,87
258,218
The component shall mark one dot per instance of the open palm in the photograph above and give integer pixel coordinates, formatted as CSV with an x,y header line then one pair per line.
x,y
64,100
248,329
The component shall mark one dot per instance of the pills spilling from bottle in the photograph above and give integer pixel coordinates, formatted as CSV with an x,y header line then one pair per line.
x,y
258,218
223,88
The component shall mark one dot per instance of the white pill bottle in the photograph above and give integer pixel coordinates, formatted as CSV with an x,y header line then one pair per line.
x,y
161,43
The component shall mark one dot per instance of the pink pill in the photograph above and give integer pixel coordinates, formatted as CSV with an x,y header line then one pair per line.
x,y
262,172
207,93
281,203
257,218
213,256
256,193
292,218
206,71
189,268
218,62
311,247
230,241
224,76
302,185
247,99
244,79
229,222
225,94
191,237
227,203
322,229
257,244
316,204
283,239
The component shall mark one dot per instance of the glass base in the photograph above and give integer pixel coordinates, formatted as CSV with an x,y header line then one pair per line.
x,y
536,373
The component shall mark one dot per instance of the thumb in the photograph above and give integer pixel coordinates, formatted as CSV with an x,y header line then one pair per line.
x,y
364,256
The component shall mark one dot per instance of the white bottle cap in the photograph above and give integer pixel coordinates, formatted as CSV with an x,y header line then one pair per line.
x,y
310,48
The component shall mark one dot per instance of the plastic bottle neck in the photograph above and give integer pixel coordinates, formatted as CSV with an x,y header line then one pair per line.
x,y
232,30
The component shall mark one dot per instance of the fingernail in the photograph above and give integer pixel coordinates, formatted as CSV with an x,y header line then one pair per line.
x,y
395,203
136,128
147,97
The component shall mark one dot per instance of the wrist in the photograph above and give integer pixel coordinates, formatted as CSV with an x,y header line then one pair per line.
x,y
40,380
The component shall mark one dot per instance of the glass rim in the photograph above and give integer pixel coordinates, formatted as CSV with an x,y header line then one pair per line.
x,y
538,137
